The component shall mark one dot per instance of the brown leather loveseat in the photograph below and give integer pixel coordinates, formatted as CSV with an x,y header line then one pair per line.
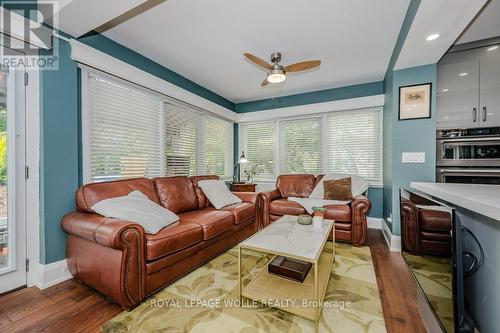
x,y
126,264
350,219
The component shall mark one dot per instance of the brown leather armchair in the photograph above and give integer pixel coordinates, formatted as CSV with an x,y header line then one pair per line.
x,y
425,231
350,219
121,261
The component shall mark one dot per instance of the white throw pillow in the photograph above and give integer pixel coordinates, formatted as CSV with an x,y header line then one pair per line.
x,y
358,185
136,207
217,193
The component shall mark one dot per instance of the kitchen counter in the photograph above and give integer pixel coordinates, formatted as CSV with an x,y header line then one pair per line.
x,y
481,199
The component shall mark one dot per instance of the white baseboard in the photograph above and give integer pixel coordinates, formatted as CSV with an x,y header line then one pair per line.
x,y
393,242
45,276
374,223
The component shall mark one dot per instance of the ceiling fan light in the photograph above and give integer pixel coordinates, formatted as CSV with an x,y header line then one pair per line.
x,y
276,77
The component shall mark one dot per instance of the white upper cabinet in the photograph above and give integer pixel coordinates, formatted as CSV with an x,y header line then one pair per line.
x,y
457,95
490,88
469,89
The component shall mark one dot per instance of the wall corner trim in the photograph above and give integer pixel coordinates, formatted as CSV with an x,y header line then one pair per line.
x,y
315,108
45,276
99,60
393,242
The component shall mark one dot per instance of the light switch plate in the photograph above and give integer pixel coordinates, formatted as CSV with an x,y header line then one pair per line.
x,y
413,157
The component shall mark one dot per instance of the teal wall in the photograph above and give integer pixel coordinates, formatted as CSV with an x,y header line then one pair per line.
x,y
59,153
320,96
60,159
417,135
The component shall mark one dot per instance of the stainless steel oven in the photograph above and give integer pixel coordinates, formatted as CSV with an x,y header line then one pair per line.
x,y
468,175
465,148
468,156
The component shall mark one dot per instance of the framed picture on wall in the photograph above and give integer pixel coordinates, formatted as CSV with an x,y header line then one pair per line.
x,y
415,101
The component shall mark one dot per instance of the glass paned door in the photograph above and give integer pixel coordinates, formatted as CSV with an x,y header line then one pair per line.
x,y
12,179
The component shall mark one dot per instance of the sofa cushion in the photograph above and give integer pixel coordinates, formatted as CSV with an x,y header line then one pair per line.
x,y
295,185
285,207
90,194
176,193
338,213
434,220
202,199
171,239
241,211
213,222
436,236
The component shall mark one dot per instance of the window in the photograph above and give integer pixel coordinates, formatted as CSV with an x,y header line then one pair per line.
x,y
353,144
219,147
347,142
300,146
258,141
183,129
129,131
124,134
197,143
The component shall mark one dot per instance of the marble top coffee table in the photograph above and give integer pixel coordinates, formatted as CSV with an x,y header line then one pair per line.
x,y
285,237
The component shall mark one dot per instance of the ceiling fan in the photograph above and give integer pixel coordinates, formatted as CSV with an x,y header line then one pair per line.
x,y
276,72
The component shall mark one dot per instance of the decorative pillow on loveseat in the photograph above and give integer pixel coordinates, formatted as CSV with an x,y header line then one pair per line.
x,y
337,189
136,207
217,193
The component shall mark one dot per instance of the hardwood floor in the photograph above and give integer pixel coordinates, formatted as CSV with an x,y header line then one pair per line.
x,y
73,307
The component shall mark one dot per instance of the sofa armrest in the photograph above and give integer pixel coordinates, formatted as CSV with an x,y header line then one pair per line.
x,y
410,227
99,229
120,270
263,200
359,210
247,196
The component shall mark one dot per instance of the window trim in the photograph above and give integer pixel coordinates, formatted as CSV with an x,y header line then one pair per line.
x,y
316,115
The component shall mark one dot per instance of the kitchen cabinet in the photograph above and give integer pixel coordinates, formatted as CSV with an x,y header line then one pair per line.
x,y
468,92
489,93
458,94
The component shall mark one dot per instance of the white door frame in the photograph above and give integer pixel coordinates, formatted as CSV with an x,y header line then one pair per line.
x,y
33,132
15,275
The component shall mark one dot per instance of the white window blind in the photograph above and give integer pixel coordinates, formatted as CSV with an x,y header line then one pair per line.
x,y
258,141
218,146
183,134
300,146
354,143
125,131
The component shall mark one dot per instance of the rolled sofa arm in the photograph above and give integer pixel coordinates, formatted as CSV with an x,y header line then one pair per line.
x,y
410,227
263,200
247,196
94,243
359,209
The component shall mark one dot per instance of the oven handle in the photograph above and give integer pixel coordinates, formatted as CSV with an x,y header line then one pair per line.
x,y
471,140
470,170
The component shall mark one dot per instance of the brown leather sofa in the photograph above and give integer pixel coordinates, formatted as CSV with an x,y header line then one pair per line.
x,y
350,220
126,264
425,231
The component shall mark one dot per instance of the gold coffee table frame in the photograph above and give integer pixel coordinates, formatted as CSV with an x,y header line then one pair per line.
x,y
265,287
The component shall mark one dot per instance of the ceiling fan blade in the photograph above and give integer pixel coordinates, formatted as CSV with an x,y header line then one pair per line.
x,y
264,83
258,61
302,66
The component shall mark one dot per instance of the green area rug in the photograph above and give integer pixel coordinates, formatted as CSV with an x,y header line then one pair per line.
x,y
202,301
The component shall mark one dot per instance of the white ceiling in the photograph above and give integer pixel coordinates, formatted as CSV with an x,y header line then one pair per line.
x,y
77,17
486,25
449,18
205,41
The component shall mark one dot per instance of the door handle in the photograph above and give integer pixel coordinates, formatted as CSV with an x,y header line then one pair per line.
x,y
474,114
485,114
